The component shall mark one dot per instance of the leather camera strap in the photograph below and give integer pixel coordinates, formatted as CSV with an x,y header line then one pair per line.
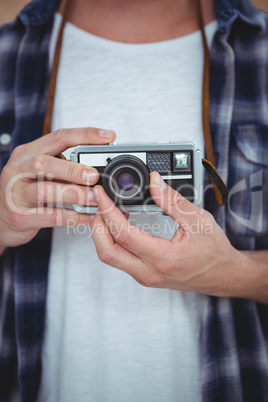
x,y
54,73
219,188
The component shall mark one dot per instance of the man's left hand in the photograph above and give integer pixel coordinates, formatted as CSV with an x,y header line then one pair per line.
x,y
198,258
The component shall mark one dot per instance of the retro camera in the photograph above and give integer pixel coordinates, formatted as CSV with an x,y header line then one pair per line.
x,y
124,171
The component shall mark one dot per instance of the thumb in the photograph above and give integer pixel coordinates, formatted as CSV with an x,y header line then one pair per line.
x,y
171,201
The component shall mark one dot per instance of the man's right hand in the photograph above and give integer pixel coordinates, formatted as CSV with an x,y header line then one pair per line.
x,y
33,181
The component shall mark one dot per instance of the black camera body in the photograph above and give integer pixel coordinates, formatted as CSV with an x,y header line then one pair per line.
x,y
124,171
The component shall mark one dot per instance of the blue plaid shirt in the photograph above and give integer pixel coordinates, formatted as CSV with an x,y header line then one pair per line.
x,y
234,332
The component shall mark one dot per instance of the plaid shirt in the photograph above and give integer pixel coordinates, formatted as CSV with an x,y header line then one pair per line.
x,y
234,332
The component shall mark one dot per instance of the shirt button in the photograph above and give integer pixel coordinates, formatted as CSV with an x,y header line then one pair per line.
x,y
5,139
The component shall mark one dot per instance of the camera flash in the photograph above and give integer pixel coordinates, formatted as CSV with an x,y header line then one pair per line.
x,y
182,161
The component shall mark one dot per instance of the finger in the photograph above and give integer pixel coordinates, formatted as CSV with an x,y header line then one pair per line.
x,y
62,139
46,217
172,202
45,166
111,253
50,192
130,237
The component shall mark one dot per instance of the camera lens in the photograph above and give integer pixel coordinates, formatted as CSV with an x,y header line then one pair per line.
x,y
125,182
126,179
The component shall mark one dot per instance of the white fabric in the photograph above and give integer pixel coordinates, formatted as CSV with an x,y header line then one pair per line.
x,y
107,338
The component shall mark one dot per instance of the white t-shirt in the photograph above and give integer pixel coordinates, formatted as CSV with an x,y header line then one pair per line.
x,y
107,338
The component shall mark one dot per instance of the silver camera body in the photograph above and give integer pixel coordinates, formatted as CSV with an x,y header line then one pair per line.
x,y
124,171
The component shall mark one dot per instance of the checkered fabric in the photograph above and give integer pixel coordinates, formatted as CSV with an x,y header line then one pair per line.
x,y
234,332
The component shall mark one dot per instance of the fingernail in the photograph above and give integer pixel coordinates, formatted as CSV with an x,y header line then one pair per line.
x,y
91,196
160,182
90,176
106,133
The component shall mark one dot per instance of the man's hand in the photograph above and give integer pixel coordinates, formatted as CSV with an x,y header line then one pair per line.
x,y
198,258
33,181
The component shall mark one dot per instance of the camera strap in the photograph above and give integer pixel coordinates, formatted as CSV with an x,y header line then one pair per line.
x,y
219,188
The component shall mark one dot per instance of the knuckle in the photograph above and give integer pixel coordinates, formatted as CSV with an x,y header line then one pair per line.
x,y
121,237
153,280
105,256
58,134
38,163
177,200
88,131
72,171
73,196
18,151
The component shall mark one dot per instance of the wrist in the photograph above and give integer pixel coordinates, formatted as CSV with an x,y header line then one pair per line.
x,y
249,279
